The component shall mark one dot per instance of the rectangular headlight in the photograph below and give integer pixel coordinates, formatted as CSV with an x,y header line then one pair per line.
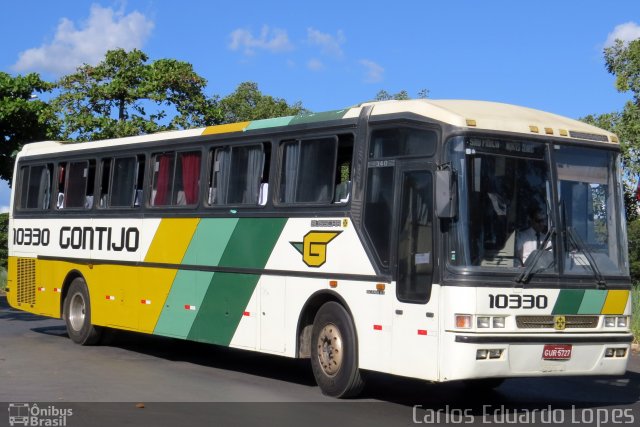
x,y
498,322
484,322
622,322
609,322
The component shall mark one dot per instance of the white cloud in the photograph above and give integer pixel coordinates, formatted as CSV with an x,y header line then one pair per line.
x,y
626,32
71,47
315,64
274,41
374,71
330,45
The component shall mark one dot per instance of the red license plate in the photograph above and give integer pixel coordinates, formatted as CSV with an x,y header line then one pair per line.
x,y
556,352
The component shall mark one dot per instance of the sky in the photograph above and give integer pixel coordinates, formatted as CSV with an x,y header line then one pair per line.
x,y
544,54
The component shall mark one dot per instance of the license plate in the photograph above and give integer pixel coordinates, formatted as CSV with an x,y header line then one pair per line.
x,y
556,352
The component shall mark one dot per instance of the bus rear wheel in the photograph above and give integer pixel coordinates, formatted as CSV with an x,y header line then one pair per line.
x,y
77,314
334,357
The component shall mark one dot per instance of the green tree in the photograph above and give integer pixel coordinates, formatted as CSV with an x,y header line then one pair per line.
x,y
383,95
126,95
23,117
247,102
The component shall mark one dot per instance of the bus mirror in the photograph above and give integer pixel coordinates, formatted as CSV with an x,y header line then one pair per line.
x,y
446,194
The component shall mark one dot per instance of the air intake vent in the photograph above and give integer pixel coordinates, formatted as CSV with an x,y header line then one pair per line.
x,y
542,322
27,281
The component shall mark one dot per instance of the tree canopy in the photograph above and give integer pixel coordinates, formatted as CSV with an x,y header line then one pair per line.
x,y
248,103
126,95
23,117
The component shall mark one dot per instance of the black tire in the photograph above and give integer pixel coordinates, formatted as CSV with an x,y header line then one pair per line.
x,y
77,314
334,352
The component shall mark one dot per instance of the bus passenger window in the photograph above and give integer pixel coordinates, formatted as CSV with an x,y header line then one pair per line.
x,y
176,179
35,187
77,192
237,176
308,170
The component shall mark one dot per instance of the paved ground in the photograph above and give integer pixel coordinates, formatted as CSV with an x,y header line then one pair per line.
x,y
38,363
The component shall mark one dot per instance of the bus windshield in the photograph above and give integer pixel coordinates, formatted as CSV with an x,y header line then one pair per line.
x,y
508,217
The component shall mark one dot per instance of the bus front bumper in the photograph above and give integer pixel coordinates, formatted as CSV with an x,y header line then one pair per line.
x,y
468,356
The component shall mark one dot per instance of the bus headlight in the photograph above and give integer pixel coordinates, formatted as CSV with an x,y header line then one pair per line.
x,y
498,322
484,322
622,322
609,322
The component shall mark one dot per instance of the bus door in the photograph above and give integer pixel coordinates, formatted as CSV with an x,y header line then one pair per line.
x,y
415,308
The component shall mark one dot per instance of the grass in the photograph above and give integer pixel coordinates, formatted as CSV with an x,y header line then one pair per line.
x,y
635,318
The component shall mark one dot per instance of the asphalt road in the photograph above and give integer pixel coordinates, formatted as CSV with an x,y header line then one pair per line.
x,y
138,380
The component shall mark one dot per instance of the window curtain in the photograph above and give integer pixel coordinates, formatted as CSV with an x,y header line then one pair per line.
x,y
255,164
291,153
191,176
221,175
163,180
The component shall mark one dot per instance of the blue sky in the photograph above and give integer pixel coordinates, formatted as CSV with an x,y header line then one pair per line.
x,y
331,54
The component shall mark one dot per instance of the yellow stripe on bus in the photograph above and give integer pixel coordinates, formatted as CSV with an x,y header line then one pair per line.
x,y
171,240
231,127
616,302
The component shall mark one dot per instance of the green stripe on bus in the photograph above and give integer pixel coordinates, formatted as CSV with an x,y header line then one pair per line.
x,y
318,117
210,241
269,123
568,301
180,308
223,306
593,301
189,287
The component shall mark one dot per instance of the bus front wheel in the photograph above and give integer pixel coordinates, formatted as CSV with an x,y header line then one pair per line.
x,y
334,357
77,314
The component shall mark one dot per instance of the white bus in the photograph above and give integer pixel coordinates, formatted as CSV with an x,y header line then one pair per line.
x,y
439,240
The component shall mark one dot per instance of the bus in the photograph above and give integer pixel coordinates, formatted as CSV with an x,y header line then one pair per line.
x,y
395,237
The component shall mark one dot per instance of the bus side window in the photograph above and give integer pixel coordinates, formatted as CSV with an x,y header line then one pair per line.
x,y
342,191
176,179
35,187
238,175
78,185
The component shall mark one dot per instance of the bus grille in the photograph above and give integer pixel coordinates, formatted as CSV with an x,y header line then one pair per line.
x,y
27,280
542,322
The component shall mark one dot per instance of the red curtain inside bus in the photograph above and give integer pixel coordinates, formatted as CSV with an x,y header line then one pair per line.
x,y
164,180
191,176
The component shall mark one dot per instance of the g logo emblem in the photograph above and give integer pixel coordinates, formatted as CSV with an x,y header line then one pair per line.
x,y
559,323
314,247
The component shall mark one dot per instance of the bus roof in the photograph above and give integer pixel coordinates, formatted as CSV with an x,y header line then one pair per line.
x,y
482,115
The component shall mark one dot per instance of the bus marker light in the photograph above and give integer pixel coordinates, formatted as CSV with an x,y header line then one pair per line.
x,y
42,289
463,321
110,297
534,129
58,290
190,307
548,131
145,301
246,313
377,327
422,332
380,286
333,283
471,122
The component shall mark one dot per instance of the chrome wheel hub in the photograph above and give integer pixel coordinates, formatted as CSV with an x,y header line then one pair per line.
x,y
330,349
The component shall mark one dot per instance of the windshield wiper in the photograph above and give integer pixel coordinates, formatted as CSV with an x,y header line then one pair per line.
x,y
528,272
580,245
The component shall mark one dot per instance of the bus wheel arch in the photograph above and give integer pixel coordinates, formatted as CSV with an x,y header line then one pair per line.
x,y
76,311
